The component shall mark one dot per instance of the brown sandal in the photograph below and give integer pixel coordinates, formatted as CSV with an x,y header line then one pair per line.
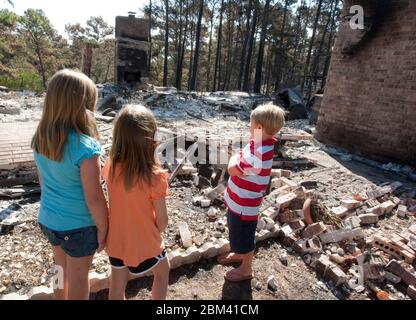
x,y
238,277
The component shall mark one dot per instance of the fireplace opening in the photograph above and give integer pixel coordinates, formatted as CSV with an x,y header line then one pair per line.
x,y
132,77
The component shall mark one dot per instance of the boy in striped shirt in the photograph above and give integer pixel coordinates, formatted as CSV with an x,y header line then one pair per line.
x,y
249,177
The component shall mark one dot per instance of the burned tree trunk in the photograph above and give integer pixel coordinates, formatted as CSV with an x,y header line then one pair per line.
x,y
308,58
243,51
210,49
218,55
179,67
246,83
315,65
260,57
191,54
330,43
86,58
230,28
165,64
197,46
179,46
149,63
279,55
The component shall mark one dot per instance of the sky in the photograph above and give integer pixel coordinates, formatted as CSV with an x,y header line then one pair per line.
x,y
72,11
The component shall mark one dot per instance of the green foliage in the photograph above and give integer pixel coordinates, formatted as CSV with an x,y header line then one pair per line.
x,y
23,80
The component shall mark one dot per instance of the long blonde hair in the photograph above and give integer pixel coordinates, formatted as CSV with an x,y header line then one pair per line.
x,y
70,100
134,146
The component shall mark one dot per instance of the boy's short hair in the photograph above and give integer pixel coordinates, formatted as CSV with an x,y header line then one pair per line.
x,y
270,117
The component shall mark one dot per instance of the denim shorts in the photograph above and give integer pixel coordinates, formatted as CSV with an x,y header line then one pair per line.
x,y
76,243
242,234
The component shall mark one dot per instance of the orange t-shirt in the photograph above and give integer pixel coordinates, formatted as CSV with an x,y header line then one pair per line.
x,y
133,235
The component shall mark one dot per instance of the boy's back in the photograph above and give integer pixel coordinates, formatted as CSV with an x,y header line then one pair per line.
x,y
245,193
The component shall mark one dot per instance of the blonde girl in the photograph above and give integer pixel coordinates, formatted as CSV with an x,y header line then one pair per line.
x,y
73,211
137,188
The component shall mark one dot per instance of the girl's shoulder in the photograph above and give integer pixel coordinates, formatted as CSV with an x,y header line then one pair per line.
x,y
82,146
82,140
159,187
160,175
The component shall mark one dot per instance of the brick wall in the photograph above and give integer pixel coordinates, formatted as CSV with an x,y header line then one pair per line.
x,y
369,105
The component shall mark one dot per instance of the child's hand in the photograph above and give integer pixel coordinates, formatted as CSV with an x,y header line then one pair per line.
x,y
233,166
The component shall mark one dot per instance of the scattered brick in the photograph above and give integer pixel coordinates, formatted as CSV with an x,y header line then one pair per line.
x,y
313,230
368,218
185,235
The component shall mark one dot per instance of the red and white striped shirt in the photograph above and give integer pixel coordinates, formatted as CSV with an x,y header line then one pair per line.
x,y
244,194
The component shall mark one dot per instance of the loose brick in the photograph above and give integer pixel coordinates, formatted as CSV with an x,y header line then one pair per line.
x,y
370,203
192,255
402,211
334,274
286,173
352,222
339,211
402,270
270,212
209,250
276,183
313,245
350,204
261,225
387,207
368,218
205,203
392,277
284,200
223,246
341,235
263,235
185,234
276,173
217,192
377,210
297,225
290,240
175,259
285,181
288,216
322,264
313,230
300,192
395,249
269,223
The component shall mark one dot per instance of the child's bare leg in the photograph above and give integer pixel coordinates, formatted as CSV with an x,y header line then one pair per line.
x,y
245,270
61,293
78,282
246,266
161,280
118,283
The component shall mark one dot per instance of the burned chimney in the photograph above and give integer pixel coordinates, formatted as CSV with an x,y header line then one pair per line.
x,y
132,50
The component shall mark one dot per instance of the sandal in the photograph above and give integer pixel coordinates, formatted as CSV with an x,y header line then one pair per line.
x,y
234,276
